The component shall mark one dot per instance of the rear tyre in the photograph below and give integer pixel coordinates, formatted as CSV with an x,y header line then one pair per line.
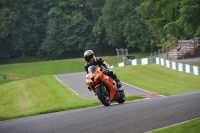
x,y
105,100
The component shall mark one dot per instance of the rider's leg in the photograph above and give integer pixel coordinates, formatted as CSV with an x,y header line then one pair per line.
x,y
114,76
119,84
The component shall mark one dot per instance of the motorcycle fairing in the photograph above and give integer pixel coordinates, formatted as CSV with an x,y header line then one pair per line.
x,y
108,81
95,75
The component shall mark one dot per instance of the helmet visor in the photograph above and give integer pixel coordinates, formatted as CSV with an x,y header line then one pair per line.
x,y
88,58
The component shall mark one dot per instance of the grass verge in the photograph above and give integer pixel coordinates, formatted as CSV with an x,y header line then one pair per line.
x,y
31,88
189,127
39,95
160,79
44,94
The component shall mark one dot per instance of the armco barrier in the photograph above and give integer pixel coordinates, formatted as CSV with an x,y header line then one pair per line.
x,y
179,66
173,65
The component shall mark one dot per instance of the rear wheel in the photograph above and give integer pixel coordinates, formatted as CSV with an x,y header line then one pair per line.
x,y
105,100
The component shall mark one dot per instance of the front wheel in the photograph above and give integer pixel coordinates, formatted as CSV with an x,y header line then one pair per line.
x,y
105,100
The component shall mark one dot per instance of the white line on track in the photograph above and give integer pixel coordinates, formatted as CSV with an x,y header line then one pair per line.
x,y
173,125
69,87
137,87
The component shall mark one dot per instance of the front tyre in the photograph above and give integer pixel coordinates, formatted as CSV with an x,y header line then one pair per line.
x,y
105,100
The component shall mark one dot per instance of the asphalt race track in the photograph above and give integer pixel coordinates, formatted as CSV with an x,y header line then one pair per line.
x,y
188,61
130,117
76,82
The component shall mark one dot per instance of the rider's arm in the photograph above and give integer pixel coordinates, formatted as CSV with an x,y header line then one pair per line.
x,y
103,63
86,67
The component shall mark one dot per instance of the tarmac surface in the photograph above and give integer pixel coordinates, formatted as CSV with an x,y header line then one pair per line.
x,y
188,61
76,82
130,117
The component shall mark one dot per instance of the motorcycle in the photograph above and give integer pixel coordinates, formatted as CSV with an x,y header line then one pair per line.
x,y
103,86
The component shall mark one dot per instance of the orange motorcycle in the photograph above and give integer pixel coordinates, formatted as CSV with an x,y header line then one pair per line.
x,y
103,86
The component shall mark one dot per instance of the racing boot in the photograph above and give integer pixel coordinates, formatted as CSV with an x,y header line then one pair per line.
x,y
119,84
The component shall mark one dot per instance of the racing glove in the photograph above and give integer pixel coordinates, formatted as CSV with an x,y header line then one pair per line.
x,y
106,71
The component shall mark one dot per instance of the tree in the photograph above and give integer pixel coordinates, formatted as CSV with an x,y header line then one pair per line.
x,y
53,45
189,17
172,19
26,38
23,25
67,32
7,24
123,26
77,31
158,14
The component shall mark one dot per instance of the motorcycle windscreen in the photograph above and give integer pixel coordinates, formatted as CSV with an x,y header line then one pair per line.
x,y
92,69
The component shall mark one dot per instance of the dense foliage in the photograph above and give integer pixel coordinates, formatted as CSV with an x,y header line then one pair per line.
x,y
58,29
171,20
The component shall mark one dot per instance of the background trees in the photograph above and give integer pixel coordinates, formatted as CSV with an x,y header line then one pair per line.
x,y
65,28
123,26
171,19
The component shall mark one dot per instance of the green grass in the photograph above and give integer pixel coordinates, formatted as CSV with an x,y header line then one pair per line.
x,y
31,88
160,79
43,94
189,127
41,68
197,64
38,95
21,71
16,72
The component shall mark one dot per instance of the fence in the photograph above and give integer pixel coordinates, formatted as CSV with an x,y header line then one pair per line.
x,y
179,66
162,53
121,54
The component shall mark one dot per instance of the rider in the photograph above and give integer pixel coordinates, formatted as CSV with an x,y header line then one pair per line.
x,y
92,60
